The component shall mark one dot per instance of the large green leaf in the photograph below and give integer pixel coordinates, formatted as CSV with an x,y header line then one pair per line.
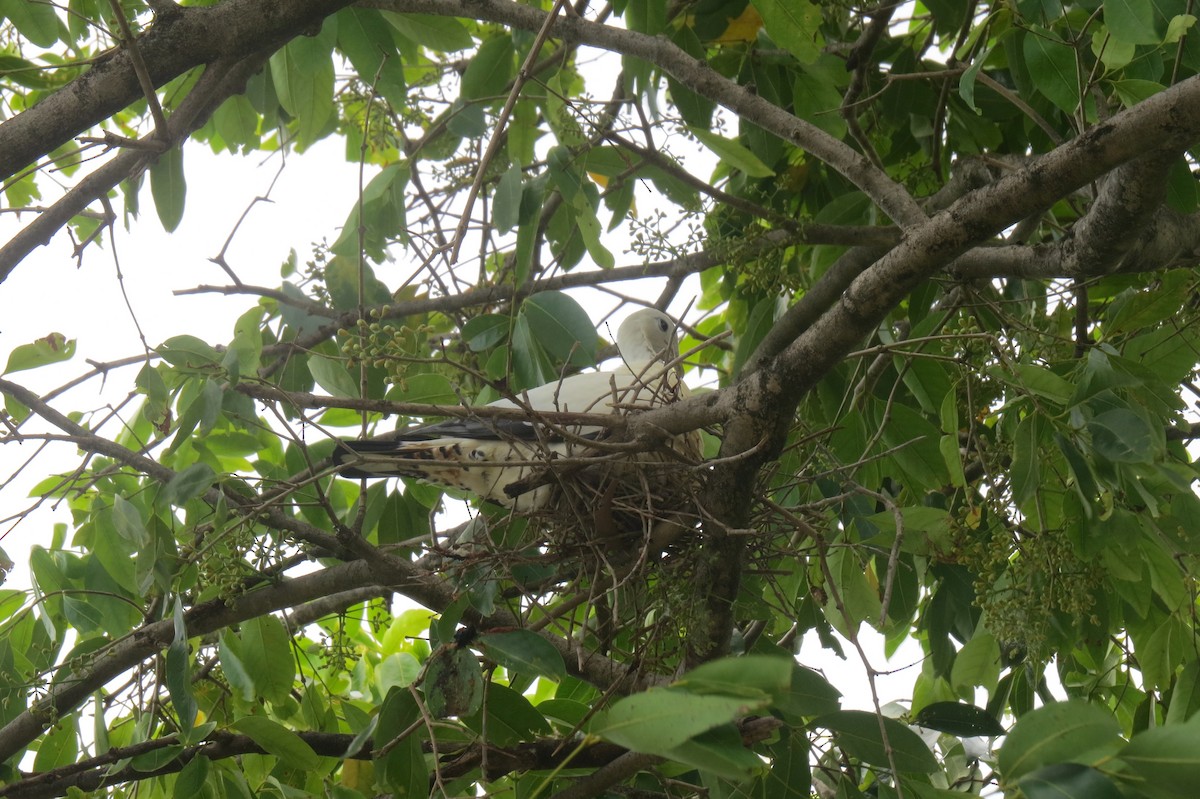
x,y
1052,67
1072,731
490,70
878,740
168,186
733,153
52,348
1167,757
658,720
1131,21
795,25
523,651
560,325
265,649
453,682
1068,781
956,718
278,740
303,74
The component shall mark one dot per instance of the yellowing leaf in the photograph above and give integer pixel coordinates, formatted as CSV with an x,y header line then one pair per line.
x,y
743,28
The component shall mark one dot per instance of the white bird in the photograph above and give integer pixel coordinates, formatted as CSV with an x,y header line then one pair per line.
x,y
487,456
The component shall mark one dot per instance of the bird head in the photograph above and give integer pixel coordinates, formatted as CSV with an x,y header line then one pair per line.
x,y
647,335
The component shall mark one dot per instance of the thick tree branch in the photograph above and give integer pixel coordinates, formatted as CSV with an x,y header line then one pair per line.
x,y
178,41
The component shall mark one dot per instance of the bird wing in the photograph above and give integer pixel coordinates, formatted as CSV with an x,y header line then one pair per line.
x,y
484,467
488,456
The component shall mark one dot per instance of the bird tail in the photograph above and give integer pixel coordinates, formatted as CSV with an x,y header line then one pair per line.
x,y
396,458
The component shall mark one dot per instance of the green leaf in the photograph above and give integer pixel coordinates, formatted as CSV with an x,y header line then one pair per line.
x,y
37,22
277,740
561,327
1167,757
733,153
1083,480
695,109
1133,91
232,667
236,122
245,351
860,599
168,187
190,782
523,652
810,694
761,320
1123,436
364,36
1185,695
302,71
53,348
128,522
178,674
1037,380
188,484
817,95
791,774
1069,781
155,759
749,675
485,331
1027,463
956,718
507,199
795,25
1064,731
466,120
657,721
917,449
429,387
926,530
859,735
966,82
266,650
531,366
589,229
507,717
977,664
342,277
443,34
490,69
401,768
1179,25
59,746
188,352
719,751
332,375
1131,21
453,683
1052,67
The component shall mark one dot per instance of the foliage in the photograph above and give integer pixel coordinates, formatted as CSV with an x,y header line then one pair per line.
x,y
940,293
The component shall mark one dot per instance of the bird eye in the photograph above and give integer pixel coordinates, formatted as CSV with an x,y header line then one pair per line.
x,y
663,326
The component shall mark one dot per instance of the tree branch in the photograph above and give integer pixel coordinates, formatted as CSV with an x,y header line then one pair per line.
x,y
219,81
178,41
700,78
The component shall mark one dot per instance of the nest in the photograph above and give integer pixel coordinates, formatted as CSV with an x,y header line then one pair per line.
x,y
625,510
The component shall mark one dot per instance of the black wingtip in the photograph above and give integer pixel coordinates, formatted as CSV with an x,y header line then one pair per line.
x,y
346,453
